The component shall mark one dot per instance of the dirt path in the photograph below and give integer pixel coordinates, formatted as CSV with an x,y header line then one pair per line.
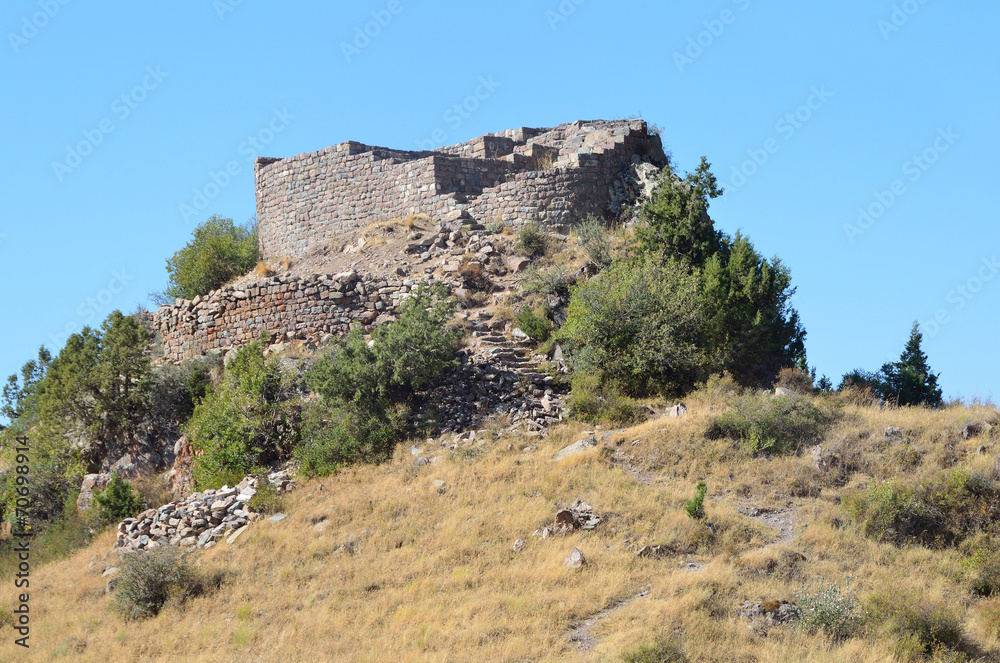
x,y
783,520
581,636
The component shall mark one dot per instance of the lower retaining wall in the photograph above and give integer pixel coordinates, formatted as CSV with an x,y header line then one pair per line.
x,y
287,307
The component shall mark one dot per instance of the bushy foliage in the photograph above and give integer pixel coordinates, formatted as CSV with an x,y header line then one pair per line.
x,y
117,501
593,237
551,280
147,581
908,381
537,327
531,241
594,403
695,507
339,434
365,387
638,324
771,424
218,252
662,651
830,608
676,220
19,392
248,422
750,328
267,500
750,323
939,512
99,379
922,625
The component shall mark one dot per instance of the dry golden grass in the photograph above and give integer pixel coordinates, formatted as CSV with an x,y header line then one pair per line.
x,y
375,565
263,270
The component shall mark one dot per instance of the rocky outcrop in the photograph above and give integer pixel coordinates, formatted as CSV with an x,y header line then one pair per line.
x,y
198,521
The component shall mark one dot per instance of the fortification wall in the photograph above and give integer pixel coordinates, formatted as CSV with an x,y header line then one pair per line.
x,y
553,176
287,307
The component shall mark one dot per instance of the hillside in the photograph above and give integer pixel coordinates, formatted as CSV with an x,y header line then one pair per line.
x,y
388,563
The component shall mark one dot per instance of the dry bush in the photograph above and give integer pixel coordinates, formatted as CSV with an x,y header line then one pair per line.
x,y
795,379
263,270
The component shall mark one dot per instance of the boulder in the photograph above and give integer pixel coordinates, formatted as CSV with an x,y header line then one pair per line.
x,y
576,447
91,482
575,559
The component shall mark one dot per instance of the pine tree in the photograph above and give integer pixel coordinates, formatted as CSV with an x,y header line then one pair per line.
x,y
910,381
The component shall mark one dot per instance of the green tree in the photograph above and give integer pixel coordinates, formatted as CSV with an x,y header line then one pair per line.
x,y
365,387
752,328
639,325
404,356
248,422
910,380
676,220
99,378
117,501
218,252
19,393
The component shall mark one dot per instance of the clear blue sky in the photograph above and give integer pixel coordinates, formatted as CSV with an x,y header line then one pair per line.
x,y
117,115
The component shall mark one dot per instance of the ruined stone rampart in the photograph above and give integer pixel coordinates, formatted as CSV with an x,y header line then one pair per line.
x,y
287,307
552,176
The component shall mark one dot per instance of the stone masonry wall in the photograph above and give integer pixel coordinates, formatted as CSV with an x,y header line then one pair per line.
x,y
287,307
554,176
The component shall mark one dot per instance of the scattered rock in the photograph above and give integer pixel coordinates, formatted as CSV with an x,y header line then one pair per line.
x,y
576,447
277,518
91,482
892,433
578,515
781,391
678,410
971,430
440,486
575,559
517,264
520,545
655,552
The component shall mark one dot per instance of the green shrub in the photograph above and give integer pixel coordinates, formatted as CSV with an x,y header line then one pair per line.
x,y
919,624
831,609
638,324
537,327
663,651
769,424
147,581
695,507
551,280
218,252
245,424
117,502
593,237
531,241
940,512
365,389
590,402
334,436
267,500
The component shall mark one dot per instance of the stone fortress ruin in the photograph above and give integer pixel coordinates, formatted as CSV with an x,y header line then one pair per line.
x,y
307,203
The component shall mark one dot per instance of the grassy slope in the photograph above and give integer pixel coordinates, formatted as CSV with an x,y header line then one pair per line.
x,y
433,576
